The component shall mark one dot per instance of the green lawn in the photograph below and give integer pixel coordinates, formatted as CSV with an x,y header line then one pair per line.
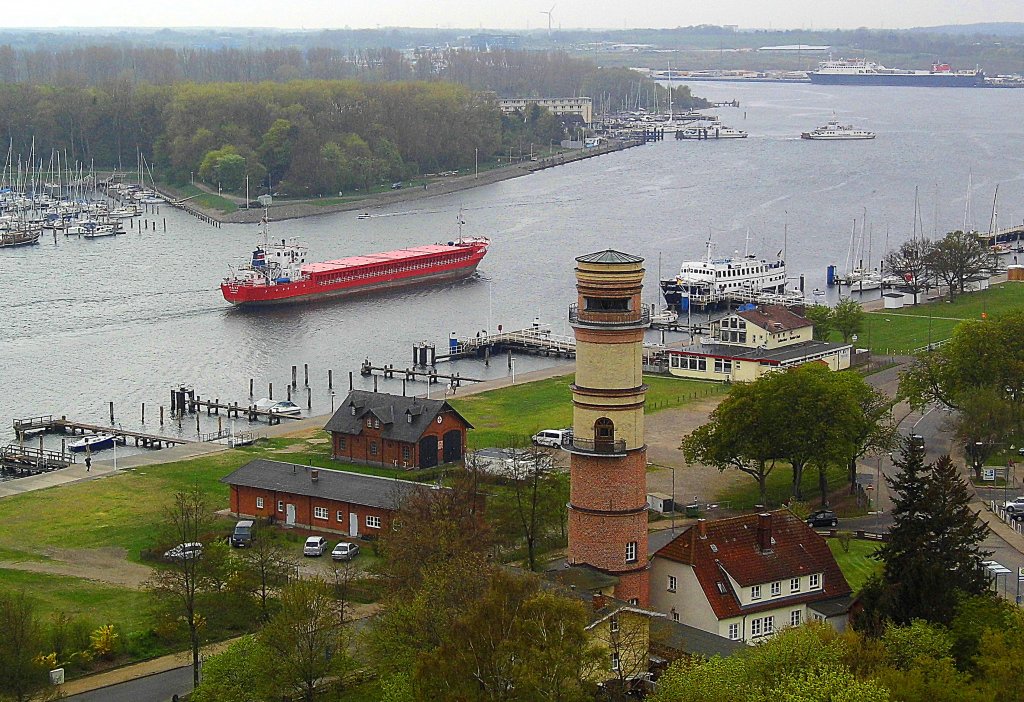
x,y
899,332
201,198
130,610
511,415
745,495
857,565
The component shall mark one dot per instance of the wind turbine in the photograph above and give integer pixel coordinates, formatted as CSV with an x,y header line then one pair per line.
x,y
548,13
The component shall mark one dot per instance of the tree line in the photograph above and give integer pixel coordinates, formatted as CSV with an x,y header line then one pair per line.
x,y
304,137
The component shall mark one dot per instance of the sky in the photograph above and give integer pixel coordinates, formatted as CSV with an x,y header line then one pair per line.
x,y
508,14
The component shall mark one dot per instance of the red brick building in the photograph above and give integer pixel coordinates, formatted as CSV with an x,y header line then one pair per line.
x,y
317,499
392,430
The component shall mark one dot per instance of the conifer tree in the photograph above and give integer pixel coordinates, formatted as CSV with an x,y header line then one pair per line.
x,y
933,555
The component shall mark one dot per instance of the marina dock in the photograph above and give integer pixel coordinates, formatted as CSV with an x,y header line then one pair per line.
x,y
26,460
48,424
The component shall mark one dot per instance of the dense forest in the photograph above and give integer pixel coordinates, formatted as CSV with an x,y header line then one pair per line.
x,y
395,119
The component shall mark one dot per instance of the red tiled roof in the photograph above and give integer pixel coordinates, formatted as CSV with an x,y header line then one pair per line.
x,y
731,548
774,318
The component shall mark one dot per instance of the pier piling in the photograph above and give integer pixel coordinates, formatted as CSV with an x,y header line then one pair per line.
x,y
309,398
293,376
305,374
350,386
111,411
330,379
270,393
289,391
161,415
143,412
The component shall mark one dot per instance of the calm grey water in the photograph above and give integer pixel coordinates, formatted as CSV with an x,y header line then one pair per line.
x,y
87,322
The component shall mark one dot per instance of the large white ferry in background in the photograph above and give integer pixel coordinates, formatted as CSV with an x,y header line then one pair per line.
x,y
863,72
711,281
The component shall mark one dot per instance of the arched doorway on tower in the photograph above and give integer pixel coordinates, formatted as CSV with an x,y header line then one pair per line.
x,y
604,435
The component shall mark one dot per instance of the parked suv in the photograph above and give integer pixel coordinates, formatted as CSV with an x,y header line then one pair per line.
x,y
823,518
242,534
555,438
1015,506
315,546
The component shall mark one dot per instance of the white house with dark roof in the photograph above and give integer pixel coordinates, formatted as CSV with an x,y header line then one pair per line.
x,y
745,345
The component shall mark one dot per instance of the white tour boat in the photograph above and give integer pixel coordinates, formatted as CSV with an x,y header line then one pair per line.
x,y
712,281
833,131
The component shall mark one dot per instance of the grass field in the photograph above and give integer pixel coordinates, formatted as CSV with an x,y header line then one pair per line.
x,y
130,610
899,332
857,565
745,495
510,416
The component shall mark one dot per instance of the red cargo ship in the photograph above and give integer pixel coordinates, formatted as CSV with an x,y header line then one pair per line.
x,y
278,273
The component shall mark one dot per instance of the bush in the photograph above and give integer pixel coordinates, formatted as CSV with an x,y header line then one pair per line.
x,y
103,642
143,644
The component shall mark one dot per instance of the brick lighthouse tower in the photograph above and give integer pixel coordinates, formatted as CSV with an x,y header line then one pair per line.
x,y
608,486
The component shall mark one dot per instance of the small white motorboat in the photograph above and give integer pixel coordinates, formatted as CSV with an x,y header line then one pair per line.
x,y
92,442
285,407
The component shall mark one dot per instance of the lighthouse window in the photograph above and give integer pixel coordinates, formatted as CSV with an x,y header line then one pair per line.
x,y
631,552
604,304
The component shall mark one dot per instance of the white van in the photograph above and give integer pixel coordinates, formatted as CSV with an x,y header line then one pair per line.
x,y
555,438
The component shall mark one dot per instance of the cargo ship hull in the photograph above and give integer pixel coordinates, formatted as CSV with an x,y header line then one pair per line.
x,y
332,279
307,291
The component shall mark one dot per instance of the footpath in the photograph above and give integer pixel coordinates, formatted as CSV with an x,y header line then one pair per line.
x,y
172,661
307,208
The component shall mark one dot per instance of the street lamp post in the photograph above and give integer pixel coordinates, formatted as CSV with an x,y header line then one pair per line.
x,y
977,457
332,402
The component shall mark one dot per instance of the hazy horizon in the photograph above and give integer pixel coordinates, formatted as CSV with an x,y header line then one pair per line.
x,y
518,15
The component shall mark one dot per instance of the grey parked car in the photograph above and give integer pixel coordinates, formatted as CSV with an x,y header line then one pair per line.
x,y
345,551
1015,506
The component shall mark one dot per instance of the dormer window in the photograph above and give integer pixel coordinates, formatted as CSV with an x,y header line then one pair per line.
x,y
408,417
353,410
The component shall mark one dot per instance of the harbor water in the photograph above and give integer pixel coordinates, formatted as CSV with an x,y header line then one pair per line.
x,y
124,319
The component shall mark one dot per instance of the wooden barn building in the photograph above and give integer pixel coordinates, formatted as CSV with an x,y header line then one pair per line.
x,y
393,430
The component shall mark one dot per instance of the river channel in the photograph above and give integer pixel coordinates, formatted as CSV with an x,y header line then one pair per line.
x,y
89,322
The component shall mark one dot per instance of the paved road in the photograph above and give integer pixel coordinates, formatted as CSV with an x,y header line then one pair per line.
x,y
932,424
160,687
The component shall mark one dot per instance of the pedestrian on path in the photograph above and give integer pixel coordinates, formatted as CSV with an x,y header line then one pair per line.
x,y
88,463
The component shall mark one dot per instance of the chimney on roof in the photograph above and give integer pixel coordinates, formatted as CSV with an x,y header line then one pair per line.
x,y
764,532
599,601
702,528
314,475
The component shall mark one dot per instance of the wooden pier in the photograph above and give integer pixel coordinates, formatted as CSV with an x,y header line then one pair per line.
x,y
25,460
48,424
249,412
410,374
537,340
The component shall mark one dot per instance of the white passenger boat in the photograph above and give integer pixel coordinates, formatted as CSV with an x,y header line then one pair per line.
x,y
834,131
712,281
710,132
